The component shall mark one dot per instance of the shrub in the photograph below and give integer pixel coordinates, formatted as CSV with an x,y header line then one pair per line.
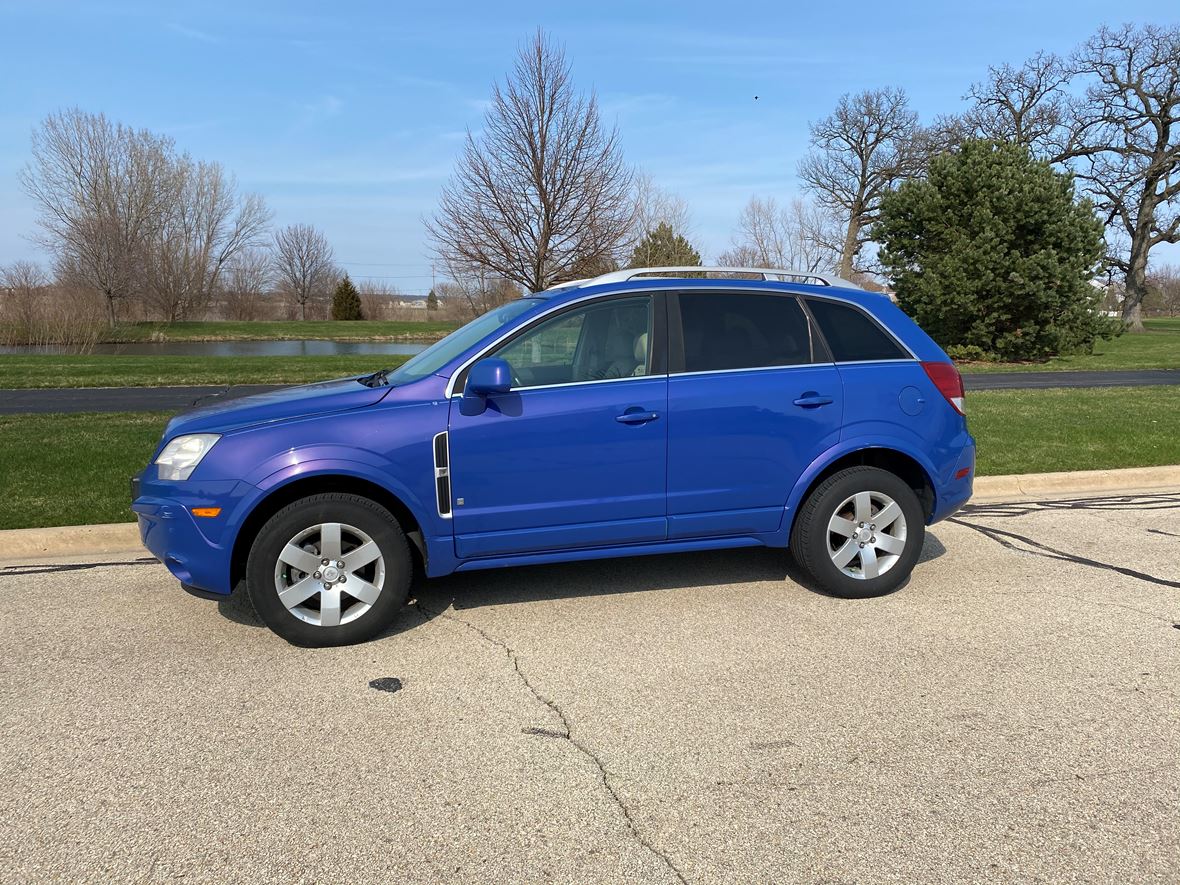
x,y
992,251
346,302
969,353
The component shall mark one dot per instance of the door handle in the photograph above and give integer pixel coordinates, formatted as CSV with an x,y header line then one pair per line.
x,y
811,400
636,416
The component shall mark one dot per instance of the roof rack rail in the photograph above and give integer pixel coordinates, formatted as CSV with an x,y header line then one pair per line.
x,y
621,276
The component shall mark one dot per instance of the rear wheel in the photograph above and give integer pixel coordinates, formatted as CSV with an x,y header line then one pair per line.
x,y
329,569
859,533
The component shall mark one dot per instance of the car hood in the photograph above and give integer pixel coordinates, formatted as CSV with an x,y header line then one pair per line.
x,y
220,416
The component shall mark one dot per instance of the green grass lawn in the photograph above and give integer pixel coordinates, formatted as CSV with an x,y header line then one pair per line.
x,y
1157,348
335,330
1044,431
155,371
73,469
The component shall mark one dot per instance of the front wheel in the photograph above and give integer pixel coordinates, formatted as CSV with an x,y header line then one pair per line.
x,y
329,569
859,533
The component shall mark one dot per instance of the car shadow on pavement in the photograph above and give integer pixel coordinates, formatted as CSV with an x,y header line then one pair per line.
x,y
594,577
603,577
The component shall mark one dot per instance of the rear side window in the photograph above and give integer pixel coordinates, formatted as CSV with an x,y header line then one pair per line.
x,y
742,331
851,335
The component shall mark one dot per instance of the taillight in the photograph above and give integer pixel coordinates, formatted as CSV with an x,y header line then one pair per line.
x,y
949,383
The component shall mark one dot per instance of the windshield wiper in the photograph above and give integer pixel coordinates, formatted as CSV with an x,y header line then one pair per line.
x,y
381,376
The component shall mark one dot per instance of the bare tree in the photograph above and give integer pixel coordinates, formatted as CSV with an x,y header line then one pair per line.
x,y
379,300
208,223
476,290
797,236
1028,105
304,265
542,193
37,311
869,144
20,285
102,191
1128,159
1163,286
655,206
245,283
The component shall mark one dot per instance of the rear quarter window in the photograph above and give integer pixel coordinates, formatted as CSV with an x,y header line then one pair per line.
x,y
851,335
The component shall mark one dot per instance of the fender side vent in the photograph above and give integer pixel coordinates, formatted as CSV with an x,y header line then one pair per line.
x,y
442,475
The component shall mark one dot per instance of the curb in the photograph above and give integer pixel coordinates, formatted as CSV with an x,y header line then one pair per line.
x,y
1075,482
123,537
71,540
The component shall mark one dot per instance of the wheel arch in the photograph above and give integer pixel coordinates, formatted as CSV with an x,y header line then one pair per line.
x,y
303,486
903,465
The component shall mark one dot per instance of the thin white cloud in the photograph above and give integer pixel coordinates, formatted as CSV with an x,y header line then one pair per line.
x,y
193,33
310,113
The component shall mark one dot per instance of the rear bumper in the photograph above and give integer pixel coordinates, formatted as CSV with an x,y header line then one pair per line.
x,y
955,491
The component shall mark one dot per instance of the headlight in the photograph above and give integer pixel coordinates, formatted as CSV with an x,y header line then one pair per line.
x,y
181,456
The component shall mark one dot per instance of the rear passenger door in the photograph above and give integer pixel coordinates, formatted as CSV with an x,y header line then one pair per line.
x,y
882,382
753,398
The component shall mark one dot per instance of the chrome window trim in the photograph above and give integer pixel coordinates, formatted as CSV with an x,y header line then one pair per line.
x,y
895,359
579,383
682,286
822,365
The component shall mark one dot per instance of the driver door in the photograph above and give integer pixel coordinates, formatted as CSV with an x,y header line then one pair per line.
x,y
575,455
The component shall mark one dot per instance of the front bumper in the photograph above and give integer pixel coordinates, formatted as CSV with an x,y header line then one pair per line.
x,y
197,551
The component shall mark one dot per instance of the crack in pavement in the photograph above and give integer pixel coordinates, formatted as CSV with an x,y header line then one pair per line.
x,y
1096,602
566,733
1000,536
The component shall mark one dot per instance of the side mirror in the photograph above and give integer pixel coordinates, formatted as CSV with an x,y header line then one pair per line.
x,y
489,377
486,378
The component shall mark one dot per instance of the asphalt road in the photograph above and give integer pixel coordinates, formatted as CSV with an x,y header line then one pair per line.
x,y
146,399
1012,715
119,399
1030,380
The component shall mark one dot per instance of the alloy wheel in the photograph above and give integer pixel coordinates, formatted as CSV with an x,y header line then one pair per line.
x,y
866,535
329,574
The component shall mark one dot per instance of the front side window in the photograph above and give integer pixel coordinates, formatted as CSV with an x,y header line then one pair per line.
x,y
732,330
851,335
599,342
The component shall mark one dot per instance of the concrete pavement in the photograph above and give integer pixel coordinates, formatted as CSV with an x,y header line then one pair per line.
x,y
146,399
1012,714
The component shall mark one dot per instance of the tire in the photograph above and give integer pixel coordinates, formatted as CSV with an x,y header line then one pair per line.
x,y
287,555
846,560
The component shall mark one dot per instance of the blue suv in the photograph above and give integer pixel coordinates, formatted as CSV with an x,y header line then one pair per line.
x,y
644,411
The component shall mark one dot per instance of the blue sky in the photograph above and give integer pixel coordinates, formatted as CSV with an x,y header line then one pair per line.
x,y
348,115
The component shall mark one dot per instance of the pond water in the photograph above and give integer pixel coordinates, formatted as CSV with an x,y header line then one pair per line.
x,y
311,347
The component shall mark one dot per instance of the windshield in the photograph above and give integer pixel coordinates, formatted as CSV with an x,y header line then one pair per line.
x,y
442,352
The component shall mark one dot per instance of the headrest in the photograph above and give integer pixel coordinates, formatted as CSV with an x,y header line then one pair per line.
x,y
641,347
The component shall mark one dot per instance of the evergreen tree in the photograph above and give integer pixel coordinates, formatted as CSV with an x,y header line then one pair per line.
x,y
663,247
346,301
432,300
992,252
